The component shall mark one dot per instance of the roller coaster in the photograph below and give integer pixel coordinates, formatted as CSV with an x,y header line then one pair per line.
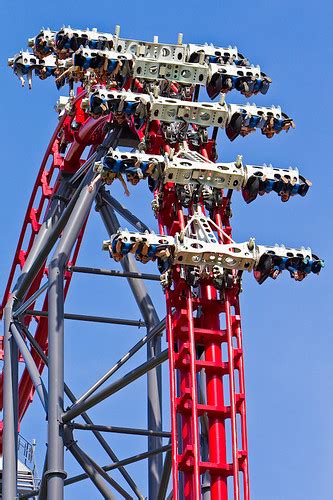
x,y
132,114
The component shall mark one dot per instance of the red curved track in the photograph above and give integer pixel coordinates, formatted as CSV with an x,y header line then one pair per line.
x,y
46,186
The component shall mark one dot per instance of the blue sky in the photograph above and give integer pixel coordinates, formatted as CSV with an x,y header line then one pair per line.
x,y
286,325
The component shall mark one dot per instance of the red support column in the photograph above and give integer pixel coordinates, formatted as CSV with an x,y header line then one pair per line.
x,y
203,323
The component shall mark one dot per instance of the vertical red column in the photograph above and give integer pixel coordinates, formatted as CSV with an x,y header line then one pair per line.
x,y
198,326
215,393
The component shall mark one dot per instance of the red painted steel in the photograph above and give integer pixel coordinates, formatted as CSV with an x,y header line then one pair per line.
x,y
89,133
205,350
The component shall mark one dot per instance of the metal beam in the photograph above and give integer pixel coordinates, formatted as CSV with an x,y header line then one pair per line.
x,y
126,461
35,260
119,430
108,468
54,213
55,474
83,169
45,248
125,213
73,446
155,331
43,485
49,233
204,438
84,460
167,466
88,420
30,301
45,244
105,202
94,319
116,386
31,366
10,409
114,273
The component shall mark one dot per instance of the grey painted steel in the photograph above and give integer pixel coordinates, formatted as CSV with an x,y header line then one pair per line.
x,y
40,256
81,202
114,387
10,409
45,247
42,495
31,494
202,395
125,213
11,357
55,474
109,451
88,420
126,461
167,466
31,366
56,208
146,306
99,473
155,331
41,252
20,310
115,273
205,487
111,481
90,470
94,319
119,430
83,170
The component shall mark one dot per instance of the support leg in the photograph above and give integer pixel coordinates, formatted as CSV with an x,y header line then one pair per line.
x,y
154,377
77,218
55,473
10,408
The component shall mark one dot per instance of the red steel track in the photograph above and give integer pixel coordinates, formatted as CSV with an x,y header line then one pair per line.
x,y
197,329
46,186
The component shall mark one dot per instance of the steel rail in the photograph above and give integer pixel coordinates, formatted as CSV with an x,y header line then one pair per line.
x,y
95,473
126,461
31,366
76,410
127,214
119,430
108,468
154,377
20,310
89,318
114,273
147,338
86,418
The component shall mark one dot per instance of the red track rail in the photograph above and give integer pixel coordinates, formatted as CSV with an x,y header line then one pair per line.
x,y
198,328
46,186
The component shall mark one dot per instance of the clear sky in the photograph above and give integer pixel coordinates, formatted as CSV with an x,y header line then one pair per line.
x,y
287,325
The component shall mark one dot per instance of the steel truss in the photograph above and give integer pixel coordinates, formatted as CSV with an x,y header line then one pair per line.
x,y
68,216
206,453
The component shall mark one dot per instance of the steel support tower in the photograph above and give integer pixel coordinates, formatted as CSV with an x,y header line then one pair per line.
x,y
134,106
